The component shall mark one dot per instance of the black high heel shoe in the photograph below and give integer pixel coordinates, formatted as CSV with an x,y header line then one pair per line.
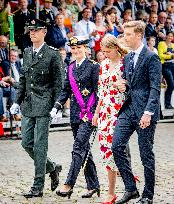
x,y
90,194
65,194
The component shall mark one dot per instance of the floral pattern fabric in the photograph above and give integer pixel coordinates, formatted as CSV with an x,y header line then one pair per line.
x,y
111,102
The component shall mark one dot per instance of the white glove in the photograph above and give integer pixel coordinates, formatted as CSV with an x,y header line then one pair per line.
x,y
14,109
53,112
57,118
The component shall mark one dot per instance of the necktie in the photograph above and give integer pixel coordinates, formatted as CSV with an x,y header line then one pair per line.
x,y
131,63
162,7
87,28
34,54
51,15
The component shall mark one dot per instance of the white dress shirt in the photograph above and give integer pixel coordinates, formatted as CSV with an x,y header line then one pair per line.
x,y
38,49
15,72
81,30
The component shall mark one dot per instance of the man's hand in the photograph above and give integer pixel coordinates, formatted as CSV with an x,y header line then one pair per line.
x,y
69,35
145,121
4,84
94,33
120,85
14,109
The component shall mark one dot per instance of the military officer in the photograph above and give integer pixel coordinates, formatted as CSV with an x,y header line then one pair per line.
x,y
81,87
21,17
48,13
39,85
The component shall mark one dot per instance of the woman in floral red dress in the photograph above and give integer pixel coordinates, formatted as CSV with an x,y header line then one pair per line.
x,y
110,102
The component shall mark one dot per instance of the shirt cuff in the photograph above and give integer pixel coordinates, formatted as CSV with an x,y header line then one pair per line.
x,y
148,113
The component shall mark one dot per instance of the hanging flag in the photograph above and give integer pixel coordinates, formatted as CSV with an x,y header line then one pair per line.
x,y
11,30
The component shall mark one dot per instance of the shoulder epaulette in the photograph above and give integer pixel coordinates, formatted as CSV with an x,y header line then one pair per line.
x,y
53,48
27,49
16,11
32,10
93,62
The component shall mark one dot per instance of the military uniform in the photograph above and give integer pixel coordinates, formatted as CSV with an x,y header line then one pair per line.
x,y
48,17
39,85
86,76
22,39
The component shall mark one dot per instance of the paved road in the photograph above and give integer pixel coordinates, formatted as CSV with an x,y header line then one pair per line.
x,y
16,169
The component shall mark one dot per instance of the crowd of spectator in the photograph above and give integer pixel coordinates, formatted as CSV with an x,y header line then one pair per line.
x,y
93,19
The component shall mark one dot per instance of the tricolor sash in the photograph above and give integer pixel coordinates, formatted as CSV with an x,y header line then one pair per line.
x,y
85,113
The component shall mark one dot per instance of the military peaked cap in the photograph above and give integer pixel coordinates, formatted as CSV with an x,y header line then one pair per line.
x,y
78,40
36,24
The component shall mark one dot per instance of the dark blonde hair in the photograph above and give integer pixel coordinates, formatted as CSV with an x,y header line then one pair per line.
x,y
139,26
110,41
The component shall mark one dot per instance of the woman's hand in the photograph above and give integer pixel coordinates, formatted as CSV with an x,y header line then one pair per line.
x,y
120,85
95,120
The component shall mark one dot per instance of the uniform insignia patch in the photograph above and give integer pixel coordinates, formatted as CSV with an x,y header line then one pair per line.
x,y
53,48
94,62
85,92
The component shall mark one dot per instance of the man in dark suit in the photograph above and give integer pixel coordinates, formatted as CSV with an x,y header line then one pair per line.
x,y
15,64
11,76
154,29
140,112
3,48
59,35
122,6
39,84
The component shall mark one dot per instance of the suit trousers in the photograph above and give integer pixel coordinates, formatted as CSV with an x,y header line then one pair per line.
x,y
81,146
35,142
168,74
126,125
6,92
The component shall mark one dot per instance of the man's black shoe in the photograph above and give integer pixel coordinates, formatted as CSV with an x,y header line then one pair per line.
x,y
33,193
169,107
128,196
54,175
145,201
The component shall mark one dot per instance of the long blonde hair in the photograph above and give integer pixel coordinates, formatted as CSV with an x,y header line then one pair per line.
x,y
110,41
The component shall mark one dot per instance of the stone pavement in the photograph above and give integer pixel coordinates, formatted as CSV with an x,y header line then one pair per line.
x,y
16,169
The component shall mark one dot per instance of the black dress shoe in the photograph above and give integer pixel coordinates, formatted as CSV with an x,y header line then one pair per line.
x,y
33,193
128,196
54,175
90,194
169,107
65,194
145,201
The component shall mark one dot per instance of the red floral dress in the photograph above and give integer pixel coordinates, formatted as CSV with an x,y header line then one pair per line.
x,y
111,102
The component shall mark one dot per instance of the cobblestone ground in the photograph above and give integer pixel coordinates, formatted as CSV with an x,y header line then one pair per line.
x,y
16,169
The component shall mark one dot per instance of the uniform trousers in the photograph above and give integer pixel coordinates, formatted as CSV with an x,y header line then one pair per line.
x,y
35,142
81,146
6,92
126,125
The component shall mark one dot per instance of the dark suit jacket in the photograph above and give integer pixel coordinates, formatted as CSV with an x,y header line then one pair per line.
x,y
126,6
55,38
6,67
86,76
144,85
40,81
